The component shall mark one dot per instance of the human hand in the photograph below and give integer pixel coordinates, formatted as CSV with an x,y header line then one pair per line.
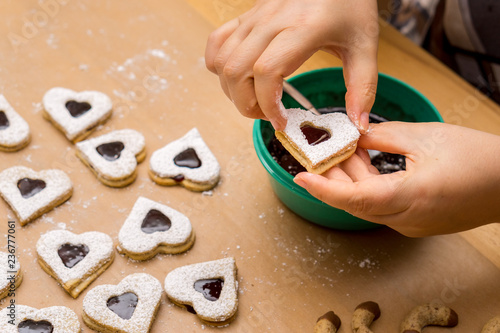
x,y
254,52
451,182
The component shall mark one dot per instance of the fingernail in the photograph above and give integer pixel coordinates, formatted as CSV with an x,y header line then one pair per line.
x,y
364,120
278,124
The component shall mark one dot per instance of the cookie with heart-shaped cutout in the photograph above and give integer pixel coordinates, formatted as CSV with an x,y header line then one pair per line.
x,y
186,161
76,114
25,319
129,307
113,157
75,260
31,194
208,289
153,228
10,274
318,142
14,130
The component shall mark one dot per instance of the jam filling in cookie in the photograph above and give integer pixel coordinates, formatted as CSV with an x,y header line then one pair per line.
x,y
188,158
31,326
123,305
29,187
186,161
153,228
113,157
72,254
76,109
314,135
155,221
210,288
111,151
4,121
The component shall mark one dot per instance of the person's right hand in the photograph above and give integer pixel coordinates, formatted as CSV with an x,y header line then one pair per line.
x,y
254,52
451,182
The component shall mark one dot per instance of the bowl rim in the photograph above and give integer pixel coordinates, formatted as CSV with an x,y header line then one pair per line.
x,y
277,172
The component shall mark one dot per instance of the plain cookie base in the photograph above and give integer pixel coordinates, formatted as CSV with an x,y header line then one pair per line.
x,y
17,282
75,287
162,248
99,327
80,136
324,165
59,201
188,184
17,147
114,182
207,321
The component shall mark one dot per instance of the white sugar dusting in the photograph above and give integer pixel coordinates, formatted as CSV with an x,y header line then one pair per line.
x,y
342,131
54,103
57,186
148,291
122,167
133,239
162,160
100,252
63,319
17,132
179,287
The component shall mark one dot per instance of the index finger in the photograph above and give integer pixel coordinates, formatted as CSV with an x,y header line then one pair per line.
x,y
284,54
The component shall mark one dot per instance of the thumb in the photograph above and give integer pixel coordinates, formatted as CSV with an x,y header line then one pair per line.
x,y
361,77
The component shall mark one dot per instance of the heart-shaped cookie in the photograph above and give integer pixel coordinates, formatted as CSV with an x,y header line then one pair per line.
x,y
31,194
187,161
14,130
76,114
25,319
208,289
153,228
113,157
10,274
75,260
129,307
318,142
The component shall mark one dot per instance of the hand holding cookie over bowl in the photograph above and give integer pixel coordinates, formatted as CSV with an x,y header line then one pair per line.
x,y
449,184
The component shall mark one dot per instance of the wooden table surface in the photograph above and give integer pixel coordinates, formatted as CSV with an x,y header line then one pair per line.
x,y
148,57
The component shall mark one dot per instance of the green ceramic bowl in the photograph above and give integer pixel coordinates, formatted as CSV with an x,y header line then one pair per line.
x,y
325,88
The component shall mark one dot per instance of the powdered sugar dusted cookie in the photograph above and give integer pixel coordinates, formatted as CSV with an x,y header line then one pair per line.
x,y
31,194
75,260
129,307
318,142
153,228
76,114
10,274
208,289
14,130
55,319
187,161
113,157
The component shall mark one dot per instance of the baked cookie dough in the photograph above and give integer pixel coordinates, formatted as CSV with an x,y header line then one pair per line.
x,y
129,307
76,114
8,279
55,319
318,142
14,130
31,194
207,289
113,157
75,260
153,228
187,162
